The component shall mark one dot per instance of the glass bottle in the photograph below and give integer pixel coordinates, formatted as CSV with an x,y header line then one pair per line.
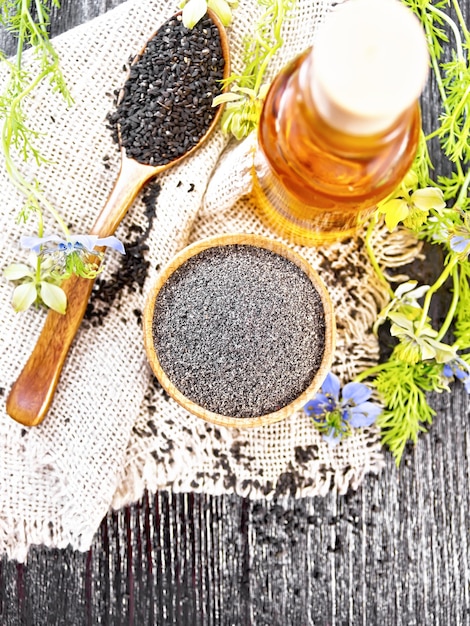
x,y
340,124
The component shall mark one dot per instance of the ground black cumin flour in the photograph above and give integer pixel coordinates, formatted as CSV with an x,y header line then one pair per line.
x,y
239,330
166,106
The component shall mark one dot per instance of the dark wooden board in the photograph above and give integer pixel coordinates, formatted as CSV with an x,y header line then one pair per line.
x,y
394,553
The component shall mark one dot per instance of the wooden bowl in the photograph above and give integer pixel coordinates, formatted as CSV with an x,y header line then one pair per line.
x,y
260,242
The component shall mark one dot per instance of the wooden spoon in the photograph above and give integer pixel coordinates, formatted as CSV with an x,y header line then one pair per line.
x,y
31,395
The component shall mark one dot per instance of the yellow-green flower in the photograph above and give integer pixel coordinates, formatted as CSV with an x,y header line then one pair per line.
x,y
242,109
411,208
405,301
418,342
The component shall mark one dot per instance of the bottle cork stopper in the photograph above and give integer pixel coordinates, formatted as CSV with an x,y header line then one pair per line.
x,y
370,63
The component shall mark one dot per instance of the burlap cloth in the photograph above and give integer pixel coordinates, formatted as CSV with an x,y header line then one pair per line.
x,y
111,431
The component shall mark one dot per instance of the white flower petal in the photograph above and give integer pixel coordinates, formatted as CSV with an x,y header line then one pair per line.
x,y
193,11
419,292
405,287
427,351
24,296
16,271
222,9
53,296
227,97
402,321
428,198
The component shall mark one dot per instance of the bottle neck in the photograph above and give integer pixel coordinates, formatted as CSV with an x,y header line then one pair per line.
x,y
360,79
334,138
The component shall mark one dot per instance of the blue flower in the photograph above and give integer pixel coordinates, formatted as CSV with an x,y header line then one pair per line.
x,y
458,368
459,243
336,416
71,244
76,254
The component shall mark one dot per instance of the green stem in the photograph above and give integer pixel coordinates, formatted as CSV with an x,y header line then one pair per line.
x,y
21,34
463,189
435,63
463,102
280,14
453,305
372,257
26,188
41,28
30,191
459,169
437,70
38,258
434,133
459,50
432,290
32,85
453,26
370,371
460,17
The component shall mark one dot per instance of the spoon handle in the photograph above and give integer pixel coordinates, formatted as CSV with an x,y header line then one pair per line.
x,y
31,395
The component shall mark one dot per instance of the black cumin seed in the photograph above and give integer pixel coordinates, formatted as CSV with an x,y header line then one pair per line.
x,y
161,98
133,267
239,330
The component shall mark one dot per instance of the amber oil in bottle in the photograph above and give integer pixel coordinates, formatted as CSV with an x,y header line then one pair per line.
x,y
327,155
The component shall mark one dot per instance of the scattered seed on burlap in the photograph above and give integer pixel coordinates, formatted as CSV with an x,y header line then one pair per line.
x,y
133,266
166,106
239,330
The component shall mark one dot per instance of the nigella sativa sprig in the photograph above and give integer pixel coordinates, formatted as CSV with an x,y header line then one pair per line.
x,y
51,260
336,412
76,254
